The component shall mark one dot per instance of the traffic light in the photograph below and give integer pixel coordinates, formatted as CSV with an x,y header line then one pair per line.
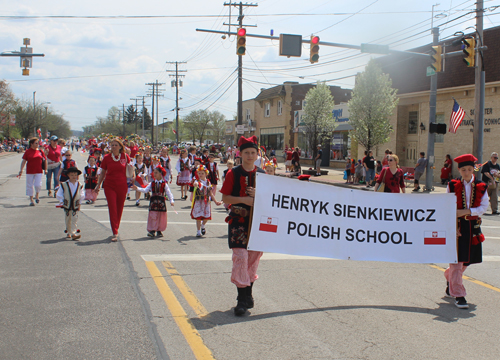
x,y
436,58
468,47
241,41
314,49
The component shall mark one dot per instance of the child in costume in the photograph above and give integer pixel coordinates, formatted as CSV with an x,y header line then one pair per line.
x,y
183,168
270,168
230,164
202,195
66,164
70,194
157,218
238,191
141,173
472,202
166,164
213,173
90,177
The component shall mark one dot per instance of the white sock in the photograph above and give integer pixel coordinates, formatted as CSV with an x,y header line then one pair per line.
x,y
202,226
198,232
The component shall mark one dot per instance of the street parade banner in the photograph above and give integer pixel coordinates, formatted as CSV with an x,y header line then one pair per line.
x,y
304,218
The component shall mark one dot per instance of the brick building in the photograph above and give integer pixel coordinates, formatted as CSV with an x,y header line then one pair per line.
x,y
274,114
410,120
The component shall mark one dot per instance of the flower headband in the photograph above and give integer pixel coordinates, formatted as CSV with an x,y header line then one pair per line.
x,y
269,163
202,168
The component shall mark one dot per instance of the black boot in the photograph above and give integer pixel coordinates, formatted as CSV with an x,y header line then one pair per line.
x,y
241,306
249,296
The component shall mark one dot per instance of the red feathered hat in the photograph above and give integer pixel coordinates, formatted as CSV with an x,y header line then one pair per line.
x,y
245,143
197,159
465,160
162,170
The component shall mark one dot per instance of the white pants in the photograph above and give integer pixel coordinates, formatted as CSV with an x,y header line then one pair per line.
x,y
33,180
71,219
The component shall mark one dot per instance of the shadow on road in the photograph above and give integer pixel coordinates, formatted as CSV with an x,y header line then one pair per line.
x,y
445,312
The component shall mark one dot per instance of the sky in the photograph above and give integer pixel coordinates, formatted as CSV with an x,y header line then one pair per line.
x,y
96,57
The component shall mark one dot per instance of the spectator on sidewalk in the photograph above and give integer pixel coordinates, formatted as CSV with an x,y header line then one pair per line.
x,y
392,176
369,164
420,167
318,160
446,170
491,173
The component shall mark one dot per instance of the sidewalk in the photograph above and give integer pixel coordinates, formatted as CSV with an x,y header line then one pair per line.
x,y
336,177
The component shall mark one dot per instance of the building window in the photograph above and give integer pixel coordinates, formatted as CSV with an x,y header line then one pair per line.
x,y
297,103
280,107
248,114
304,104
439,138
412,122
273,138
267,109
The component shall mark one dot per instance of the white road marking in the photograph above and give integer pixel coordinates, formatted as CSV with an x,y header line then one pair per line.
x,y
266,256
219,257
168,223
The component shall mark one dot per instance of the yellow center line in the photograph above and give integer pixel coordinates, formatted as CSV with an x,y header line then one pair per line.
x,y
475,281
192,336
185,290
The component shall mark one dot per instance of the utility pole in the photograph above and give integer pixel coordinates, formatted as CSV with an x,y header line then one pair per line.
x,y
143,112
124,131
429,174
240,59
135,114
152,113
178,84
34,113
479,91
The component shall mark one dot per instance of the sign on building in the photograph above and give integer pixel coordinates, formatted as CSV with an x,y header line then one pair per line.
x,y
340,113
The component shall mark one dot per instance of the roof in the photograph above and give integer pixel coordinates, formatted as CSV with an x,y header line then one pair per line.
x,y
344,127
276,91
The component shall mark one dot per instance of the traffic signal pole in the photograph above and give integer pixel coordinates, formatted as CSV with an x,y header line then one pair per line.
x,y
479,91
429,174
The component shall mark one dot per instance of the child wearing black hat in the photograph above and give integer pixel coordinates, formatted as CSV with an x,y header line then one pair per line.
x,y
70,195
472,202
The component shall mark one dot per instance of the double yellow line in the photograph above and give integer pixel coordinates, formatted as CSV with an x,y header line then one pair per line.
x,y
192,336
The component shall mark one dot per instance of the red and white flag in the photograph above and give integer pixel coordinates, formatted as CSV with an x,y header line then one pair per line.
x,y
434,237
457,115
175,132
269,224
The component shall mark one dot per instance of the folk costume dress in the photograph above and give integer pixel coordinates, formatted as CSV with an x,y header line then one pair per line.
x,y
201,208
183,168
157,218
212,173
165,163
141,172
90,174
66,164
71,195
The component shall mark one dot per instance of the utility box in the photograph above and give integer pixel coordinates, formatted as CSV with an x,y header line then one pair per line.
x,y
290,45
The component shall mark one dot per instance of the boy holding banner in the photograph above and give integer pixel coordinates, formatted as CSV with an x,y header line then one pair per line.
x,y
238,191
472,202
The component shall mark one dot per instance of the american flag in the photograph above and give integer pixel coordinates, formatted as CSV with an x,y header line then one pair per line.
x,y
457,116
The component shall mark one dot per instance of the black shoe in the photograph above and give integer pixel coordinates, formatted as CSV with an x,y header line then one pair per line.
x,y
249,300
159,234
151,234
128,197
461,303
203,231
494,213
241,306
447,291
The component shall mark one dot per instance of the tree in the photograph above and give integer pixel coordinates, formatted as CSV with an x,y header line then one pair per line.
x,y
318,119
197,122
7,105
218,126
372,103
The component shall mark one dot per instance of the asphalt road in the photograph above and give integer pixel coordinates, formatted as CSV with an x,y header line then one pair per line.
x,y
171,297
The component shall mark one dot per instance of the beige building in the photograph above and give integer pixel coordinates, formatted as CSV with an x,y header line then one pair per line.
x,y
410,120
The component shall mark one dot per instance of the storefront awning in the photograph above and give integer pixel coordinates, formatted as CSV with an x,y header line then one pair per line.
x,y
343,127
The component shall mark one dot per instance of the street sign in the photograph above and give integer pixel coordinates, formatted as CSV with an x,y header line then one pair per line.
x,y
430,71
240,129
375,49
290,45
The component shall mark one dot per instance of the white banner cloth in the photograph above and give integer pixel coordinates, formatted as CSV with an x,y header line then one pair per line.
x,y
305,218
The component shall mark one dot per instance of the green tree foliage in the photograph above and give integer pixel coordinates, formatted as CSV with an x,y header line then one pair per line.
x,y
318,120
218,126
373,102
196,123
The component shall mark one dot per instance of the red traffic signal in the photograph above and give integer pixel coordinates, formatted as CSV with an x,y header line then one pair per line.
x,y
314,49
241,41
315,40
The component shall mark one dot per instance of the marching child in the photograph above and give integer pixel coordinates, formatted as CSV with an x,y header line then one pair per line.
x,y
270,168
183,168
165,163
213,172
230,165
157,218
90,177
192,154
201,209
204,157
472,202
141,172
239,193
147,156
70,194
97,155
66,164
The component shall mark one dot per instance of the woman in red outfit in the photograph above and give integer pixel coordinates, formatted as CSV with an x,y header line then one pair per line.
x,y
113,173
392,176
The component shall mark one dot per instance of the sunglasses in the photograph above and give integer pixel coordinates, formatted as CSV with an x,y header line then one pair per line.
x,y
390,160
494,157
